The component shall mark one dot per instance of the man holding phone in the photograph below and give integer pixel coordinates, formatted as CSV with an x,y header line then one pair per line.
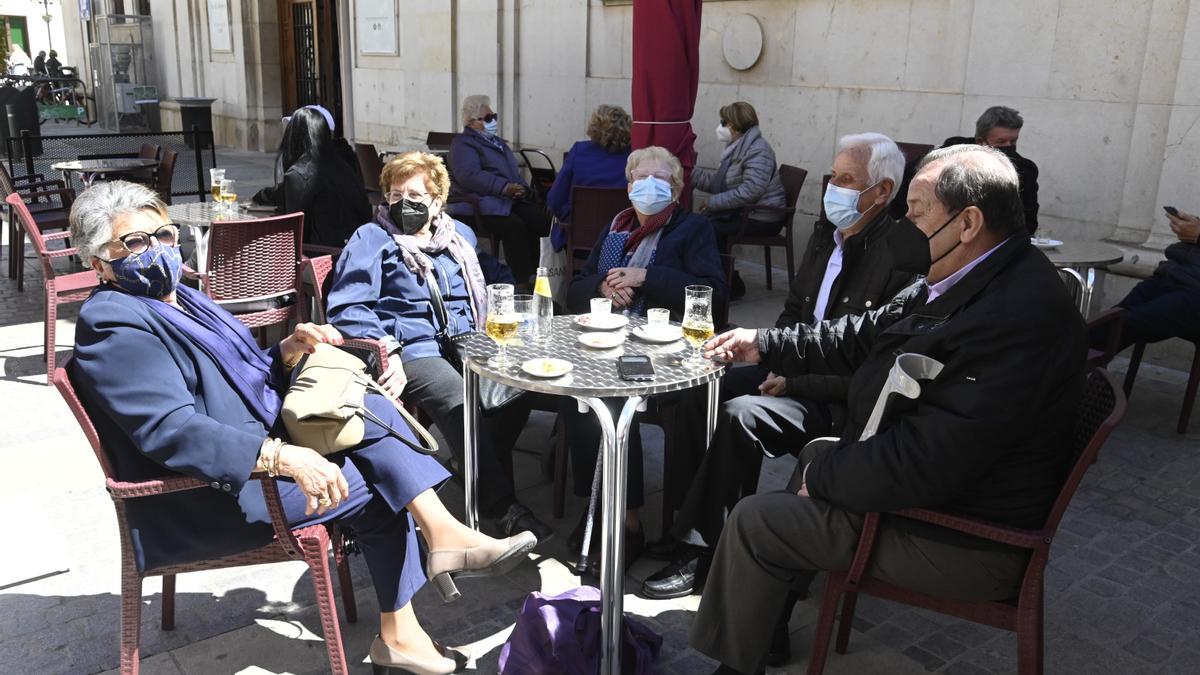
x,y
1168,303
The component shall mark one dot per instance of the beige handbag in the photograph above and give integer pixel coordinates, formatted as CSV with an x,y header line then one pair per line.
x,y
324,409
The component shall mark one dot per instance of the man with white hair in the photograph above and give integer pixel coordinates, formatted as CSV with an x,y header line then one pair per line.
x,y
986,439
855,262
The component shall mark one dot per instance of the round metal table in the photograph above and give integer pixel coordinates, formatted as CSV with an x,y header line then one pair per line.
x,y
593,378
1081,259
199,217
90,169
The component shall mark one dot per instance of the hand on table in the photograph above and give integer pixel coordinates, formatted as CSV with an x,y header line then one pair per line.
x,y
739,344
304,340
1185,226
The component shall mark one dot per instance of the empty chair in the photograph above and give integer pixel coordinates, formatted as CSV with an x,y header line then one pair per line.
x,y
59,288
49,203
592,210
165,175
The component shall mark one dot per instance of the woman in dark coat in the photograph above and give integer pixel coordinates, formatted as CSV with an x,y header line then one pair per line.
x,y
382,289
320,177
644,259
174,382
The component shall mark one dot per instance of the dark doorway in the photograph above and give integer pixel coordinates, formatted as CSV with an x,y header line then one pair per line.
x,y
309,56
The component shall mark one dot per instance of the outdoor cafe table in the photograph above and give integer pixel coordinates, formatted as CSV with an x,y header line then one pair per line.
x,y
90,168
1081,259
593,378
199,217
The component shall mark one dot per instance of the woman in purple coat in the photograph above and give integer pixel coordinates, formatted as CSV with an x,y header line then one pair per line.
x,y
596,162
483,167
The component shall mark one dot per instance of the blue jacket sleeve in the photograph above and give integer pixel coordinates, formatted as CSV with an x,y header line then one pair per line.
x,y
357,283
559,197
701,266
468,171
155,405
587,280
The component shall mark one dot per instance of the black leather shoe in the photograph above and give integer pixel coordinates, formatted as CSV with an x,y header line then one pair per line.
x,y
519,519
680,578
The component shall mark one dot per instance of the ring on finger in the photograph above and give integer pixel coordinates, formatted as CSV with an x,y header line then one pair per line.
x,y
324,501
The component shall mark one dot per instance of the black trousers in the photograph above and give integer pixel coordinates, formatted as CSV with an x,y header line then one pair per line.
x,y
777,542
583,441
519,232
437,388
749,424
1156,309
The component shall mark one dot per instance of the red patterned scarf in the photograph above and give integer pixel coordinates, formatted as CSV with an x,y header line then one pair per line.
x,y
626,221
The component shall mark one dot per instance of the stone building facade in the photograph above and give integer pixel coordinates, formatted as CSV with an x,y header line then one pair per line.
x,y
1110,96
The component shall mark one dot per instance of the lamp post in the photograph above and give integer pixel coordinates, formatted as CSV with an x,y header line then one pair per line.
x,y
47,17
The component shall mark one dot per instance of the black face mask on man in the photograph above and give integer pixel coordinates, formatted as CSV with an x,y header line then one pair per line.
x,y
939,231
409,216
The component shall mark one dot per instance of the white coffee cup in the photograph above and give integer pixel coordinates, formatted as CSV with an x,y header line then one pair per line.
x,y
601,306
657,317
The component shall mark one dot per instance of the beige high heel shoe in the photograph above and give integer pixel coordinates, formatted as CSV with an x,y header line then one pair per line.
x,y
388,661
493,558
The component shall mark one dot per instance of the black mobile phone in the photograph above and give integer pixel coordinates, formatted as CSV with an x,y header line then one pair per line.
x,y
635,368
1171,210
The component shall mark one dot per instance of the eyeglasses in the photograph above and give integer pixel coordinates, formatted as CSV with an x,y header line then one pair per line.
x,y
642,174
487,118
396,195
138,242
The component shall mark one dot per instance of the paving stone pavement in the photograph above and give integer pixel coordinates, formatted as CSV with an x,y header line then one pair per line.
x,y
1122,589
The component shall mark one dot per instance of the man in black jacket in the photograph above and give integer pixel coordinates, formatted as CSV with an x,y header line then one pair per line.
x,y
987,438
855,261
999,127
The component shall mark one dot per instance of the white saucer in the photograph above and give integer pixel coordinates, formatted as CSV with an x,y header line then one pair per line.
x,y
601,321
1045,243
658,334
602,340
545,367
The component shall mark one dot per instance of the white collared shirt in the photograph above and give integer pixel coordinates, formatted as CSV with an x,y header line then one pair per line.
x,y
832,269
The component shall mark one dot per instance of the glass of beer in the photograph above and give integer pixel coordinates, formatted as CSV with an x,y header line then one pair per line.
x,y
215,176
229,194
697,321
501,325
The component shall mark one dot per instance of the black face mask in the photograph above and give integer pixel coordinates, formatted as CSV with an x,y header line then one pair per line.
x,y
409,216
939,231
1009,151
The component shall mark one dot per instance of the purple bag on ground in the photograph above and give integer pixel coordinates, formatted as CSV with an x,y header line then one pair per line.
x,y
560,635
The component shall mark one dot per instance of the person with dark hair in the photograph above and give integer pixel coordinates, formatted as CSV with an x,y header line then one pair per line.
x,y
999,127
53,65
748,175
986,438
314,175
483,166
596,162
39,64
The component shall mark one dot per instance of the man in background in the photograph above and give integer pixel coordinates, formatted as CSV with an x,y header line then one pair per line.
x,y
999,127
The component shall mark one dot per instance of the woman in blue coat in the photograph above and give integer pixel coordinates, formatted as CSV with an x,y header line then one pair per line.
x,y
596,162
484,167
644,259
382,289
174,382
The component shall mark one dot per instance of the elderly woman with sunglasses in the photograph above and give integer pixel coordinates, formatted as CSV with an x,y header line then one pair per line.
x,y
175,383
484,168
384,288
643,259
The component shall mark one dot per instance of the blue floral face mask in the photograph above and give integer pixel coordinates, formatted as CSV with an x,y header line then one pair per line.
x,y
153,273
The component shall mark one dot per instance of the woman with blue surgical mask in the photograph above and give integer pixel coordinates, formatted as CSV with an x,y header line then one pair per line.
x,y
489,191
643,259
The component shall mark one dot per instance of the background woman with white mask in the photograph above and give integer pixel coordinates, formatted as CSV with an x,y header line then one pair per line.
x,y
747,176
643,259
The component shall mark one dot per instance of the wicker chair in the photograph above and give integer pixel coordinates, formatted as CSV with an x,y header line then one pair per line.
x,y
49,203
310,544
792,178
1101,409
253,269
59,288
592,209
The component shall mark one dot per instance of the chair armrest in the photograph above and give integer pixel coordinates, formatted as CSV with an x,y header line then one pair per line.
x,y
149,488
373,348
67,194
1012,536
61,253
56,236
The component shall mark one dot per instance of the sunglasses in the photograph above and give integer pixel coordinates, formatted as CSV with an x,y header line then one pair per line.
x,y
488,118
138,242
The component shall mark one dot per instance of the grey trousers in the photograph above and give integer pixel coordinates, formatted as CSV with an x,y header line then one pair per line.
x,y
777,542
